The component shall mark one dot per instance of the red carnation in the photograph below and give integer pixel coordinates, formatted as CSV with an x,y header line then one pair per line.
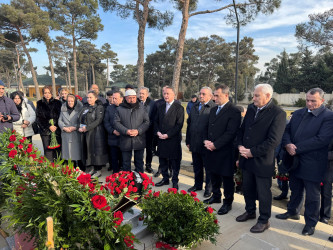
x,y
183,192
193,194
157,194
11,145
118,217
22,140
172,190
29,150
196,199
99,201
84,179
12,153
20,146
210,210
12,138
216,221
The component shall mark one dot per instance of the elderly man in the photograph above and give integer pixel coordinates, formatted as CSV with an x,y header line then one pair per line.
x,y
149,104
8,110
94,87
306,140
132,121
197,123
259,135
168,126
113,134
224,121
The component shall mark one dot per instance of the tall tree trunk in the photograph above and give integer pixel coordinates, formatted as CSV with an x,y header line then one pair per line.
x,y
142,21
48,51
69,76
86,82
8,77
76,86
107,72
180,46
33,72
19,70
67,85
16,78
93,73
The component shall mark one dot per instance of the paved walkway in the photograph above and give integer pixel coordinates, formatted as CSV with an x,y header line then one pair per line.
x,y
236,236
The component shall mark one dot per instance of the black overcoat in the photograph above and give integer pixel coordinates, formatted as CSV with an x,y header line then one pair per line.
x,y
94,144
222,130
261,135
170,123
197,123
46,111
311,140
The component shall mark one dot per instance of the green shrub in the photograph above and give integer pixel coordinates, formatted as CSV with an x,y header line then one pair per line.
x,y
300,102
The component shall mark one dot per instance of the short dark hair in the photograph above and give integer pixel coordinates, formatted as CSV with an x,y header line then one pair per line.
x,y
119,92
110,93
93,92
47,87
313,91
224,88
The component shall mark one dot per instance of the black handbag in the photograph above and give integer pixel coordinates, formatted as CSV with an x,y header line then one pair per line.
x,y
35,128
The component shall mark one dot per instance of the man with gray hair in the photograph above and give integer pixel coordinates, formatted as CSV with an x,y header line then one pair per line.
x,y
306,141
259,135
197,123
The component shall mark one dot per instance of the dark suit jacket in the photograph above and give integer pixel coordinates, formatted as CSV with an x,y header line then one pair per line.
x,y
170,123
197,123
311,140
261,135
221,130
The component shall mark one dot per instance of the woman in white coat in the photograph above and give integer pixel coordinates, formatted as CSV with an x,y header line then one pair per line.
x,y
68,123
27,116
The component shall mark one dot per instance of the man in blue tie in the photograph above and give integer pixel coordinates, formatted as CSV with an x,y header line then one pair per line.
x,y
196,124
223,123
168,126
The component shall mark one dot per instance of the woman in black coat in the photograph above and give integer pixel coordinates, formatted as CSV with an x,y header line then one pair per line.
x,y
93,136
48,108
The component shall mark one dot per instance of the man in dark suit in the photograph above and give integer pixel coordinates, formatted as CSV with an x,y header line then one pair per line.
x,y
306,140
224,121
168,126
196,126
259,135
149,104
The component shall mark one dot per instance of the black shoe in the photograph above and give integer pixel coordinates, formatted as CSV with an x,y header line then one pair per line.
x,y
174,185
212,200
207,194
224,209
308,230
245,216
324,220
149,170
260,227
162,183
110,168
157,174
280,197
330,238
193,189
287,216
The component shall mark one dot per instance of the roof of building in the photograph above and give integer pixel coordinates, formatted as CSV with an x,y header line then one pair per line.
x,y
44,80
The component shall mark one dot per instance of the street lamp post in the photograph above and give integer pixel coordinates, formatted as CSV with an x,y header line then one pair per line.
x,y
237,52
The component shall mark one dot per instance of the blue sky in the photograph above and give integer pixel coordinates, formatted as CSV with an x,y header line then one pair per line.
x,y
271,33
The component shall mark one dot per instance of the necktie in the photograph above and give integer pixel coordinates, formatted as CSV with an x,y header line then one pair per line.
x,y
200,106
167,107
218,110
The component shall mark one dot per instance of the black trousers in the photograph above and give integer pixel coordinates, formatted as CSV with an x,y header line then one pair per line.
x,y
228,187
50,154
312,199
199,165
138,160
326,195
175,166
116,158
149,149
255,187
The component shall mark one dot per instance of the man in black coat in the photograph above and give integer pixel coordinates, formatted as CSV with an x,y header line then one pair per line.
x,y
224,121
132,121
168,126
259,135
306,141
113,134
196,126
149,104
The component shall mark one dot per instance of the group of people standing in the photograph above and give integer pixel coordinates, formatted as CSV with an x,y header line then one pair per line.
x,y
96,131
